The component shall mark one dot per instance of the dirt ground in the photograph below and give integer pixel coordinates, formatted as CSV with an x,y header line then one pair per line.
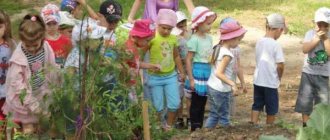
x,y
287,119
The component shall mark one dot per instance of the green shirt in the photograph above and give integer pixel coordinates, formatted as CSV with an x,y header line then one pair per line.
x,y
202,48
161,52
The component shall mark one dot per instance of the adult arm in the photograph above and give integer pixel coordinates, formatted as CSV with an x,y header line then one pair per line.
x,y
134,10
190,5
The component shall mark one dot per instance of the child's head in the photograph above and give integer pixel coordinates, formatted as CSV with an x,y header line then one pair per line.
x,y
275,25
5,32
32,33
66,24
202,19
322,19
166,21
112,12
142,32
73,7
231,32
181,24
51,17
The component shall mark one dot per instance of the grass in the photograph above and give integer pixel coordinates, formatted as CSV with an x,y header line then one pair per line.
x,y
251,13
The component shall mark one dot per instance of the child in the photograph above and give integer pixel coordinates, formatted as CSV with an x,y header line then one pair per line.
x,y
141,34
7,46
31,70
269,70
66,24
314,84
200,50
163,51
183,35
237,69
221,84
60,44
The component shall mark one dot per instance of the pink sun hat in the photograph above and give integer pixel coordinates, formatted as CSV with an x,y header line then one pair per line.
x,y
143,28
200,14
231,29
167,17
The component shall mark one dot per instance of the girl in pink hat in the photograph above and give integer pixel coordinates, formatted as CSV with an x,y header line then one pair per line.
x,y
197,63
163,83
140,36
221,84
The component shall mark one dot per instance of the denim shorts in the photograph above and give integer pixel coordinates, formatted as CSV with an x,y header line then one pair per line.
x,y
265,97
164,89
313,89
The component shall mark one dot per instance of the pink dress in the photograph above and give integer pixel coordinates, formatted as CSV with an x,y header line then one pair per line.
x,y
18,83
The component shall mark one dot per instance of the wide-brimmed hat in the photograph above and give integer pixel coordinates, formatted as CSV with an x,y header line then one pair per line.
x,y
230,28
199,15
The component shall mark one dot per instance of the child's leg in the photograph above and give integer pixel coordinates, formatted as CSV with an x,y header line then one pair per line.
x,y
258,103
271,99
224,109
213,117
188,104
172,95
197,109
305,99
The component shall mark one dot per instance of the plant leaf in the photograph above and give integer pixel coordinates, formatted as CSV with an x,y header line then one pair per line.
x,y
320,118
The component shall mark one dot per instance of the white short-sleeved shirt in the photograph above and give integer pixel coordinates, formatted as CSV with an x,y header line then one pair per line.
x,y
316,62
214,82
268,54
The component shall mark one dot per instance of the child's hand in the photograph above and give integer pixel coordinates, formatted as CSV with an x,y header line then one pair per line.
x,y
321,34
192,84
244,88
182,77
234,90
155,67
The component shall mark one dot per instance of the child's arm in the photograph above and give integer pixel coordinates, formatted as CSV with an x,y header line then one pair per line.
x,y
90,11
327,45
190,5
133,11
241,76
144,65
189,58
280,70
220,73
308,46
178,62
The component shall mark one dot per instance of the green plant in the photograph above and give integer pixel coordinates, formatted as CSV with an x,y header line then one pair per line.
x,y
318,126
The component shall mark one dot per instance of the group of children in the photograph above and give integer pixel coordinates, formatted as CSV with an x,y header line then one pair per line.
x,y
182,62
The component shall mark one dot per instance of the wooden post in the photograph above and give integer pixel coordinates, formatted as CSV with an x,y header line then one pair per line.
x,y
145,114
146,126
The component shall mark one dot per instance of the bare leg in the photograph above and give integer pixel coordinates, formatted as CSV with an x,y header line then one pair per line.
x,y
255,116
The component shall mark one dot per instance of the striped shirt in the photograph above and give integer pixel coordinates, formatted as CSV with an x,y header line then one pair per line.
x,y
36,63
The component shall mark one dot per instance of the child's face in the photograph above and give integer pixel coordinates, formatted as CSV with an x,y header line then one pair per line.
x,y
33,46
142,42
322,26
233,43
110,26
2,30
77,12
67,32
52,27
182,25
206,25
164,30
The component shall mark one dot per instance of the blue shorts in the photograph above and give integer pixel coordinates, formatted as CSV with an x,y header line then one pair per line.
x,y
264,96
164,86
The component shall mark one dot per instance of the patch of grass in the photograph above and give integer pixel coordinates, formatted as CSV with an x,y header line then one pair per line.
x,y
12,7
